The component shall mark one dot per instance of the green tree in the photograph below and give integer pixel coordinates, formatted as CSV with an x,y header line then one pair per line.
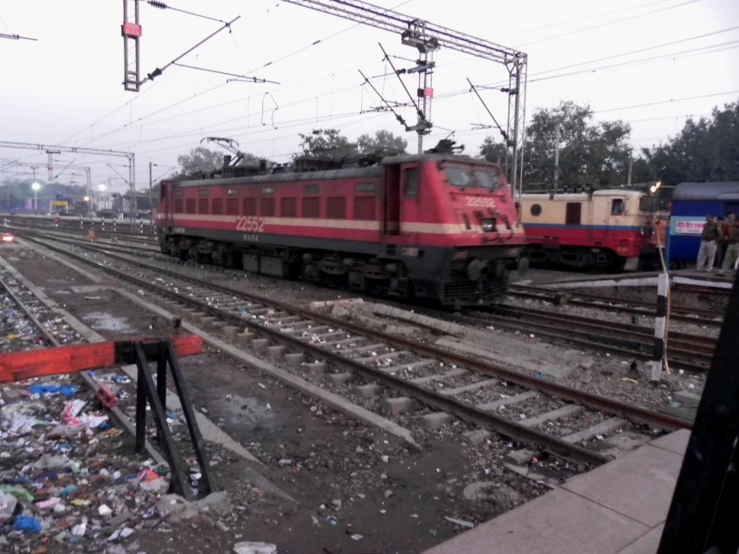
x,y
199,160
327,144
493,151
589,152
384,143
704,150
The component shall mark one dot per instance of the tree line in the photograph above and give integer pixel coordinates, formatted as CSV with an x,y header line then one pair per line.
x,y
599,154
591,152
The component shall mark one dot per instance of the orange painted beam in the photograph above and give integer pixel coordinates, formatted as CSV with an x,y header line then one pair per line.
x,y
17,366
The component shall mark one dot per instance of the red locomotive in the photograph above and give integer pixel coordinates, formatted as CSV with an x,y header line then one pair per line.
x,y
438,226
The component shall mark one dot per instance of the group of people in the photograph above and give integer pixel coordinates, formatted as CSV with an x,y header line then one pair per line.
x,y
719,244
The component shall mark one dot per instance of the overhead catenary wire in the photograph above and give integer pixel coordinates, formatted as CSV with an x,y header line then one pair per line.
x,y
382,98
158,71
163,6
420,114
578,20
17,37
271,63
502,132
588,70
607,23
218,72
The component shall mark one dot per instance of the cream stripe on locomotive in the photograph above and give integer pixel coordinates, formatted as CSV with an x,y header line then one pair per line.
x,y
408,227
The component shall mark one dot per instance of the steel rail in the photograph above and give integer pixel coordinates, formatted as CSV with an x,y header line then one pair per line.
x,y
635,413
677,313
596,340
465,411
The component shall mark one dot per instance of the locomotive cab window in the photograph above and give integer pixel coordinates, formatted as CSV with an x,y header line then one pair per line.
x,y
617,206
411,182
486,179
457,176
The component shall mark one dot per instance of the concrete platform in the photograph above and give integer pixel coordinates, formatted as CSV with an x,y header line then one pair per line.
x,y
618,508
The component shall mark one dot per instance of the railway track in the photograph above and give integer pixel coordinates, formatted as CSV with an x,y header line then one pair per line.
x,y
434,383
686,351
696,316
33,312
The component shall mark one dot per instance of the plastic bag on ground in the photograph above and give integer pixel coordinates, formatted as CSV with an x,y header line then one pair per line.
x,y
7,506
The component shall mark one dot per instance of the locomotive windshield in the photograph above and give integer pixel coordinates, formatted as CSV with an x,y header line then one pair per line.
x,y
466,176
651,204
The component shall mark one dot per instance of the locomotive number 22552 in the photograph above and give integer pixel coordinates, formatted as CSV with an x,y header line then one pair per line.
x,y
252,224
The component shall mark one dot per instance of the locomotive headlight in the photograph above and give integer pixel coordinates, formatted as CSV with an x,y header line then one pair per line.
x,y
488,226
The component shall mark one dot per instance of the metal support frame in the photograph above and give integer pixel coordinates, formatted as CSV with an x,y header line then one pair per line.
x,y
515,61
703,516
82,150
50,163
131,32
163,353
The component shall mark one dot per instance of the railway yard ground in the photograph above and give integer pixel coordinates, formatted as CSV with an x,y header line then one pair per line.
x,y
334,422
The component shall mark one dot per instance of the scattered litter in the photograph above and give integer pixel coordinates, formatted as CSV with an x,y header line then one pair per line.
x,y
80,529
67,390
48,503
460,522
254,548
27,524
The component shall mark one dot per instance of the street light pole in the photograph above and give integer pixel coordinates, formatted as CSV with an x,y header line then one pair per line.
x,y
35,187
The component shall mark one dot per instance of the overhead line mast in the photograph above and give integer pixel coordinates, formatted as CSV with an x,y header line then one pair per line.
x,y
422,34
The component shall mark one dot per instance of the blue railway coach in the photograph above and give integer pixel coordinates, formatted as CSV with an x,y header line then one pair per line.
x,y
691,202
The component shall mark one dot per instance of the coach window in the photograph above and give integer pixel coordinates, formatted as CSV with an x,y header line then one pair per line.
x,y
617,206
411,182
535,210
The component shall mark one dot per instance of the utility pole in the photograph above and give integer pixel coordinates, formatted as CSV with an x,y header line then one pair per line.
x,y
631,165
50,165
556,157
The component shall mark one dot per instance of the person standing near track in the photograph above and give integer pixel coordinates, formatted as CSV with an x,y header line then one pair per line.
x,y
726,225
732,252
709,241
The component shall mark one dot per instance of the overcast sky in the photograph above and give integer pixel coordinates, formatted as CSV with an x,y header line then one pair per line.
x,y
67,87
